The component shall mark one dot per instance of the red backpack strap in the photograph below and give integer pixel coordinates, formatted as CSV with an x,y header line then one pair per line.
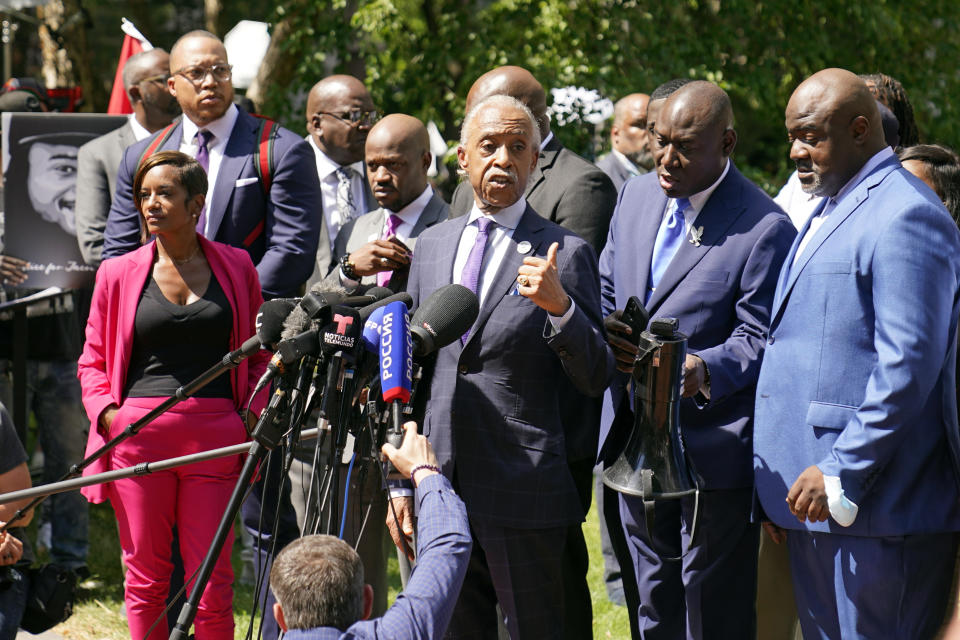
x,y
263,153
157,142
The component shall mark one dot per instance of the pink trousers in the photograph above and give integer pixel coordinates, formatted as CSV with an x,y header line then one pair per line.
x,y
192,497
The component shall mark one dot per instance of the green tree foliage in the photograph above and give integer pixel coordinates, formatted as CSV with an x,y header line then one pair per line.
x,y
421,56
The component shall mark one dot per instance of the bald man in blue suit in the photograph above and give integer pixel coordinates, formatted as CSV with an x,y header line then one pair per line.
x,y
719,285
856,438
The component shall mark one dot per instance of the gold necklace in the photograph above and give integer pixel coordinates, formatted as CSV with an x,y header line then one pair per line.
x,y
193,255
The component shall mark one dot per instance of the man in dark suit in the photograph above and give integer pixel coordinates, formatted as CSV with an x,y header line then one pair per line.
x,y
376,250
630,149
493,414
700,243
856,443
145,80
565,189
277,227
340,113
376,247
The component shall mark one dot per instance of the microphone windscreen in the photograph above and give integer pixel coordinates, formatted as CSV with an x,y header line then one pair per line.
x,y
328,287
396,354
371,331
271,317
403,297
378,293
447,314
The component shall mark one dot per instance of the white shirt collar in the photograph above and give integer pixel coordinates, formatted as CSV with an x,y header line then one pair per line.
x,y
412,211
326,167
508,217
546,141
626,162
699,200
220,128
875,161
140,132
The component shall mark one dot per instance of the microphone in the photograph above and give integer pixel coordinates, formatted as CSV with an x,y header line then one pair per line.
x,y
371,330
270,319
403,297
443,317
340,340
396,354
396,366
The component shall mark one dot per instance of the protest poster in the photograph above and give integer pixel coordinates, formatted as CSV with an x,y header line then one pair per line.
x,y
39,195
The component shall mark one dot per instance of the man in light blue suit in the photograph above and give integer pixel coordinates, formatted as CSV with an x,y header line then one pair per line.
x,y
729,240
856,439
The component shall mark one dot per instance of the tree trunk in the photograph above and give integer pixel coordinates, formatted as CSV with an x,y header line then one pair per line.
x,y
212,10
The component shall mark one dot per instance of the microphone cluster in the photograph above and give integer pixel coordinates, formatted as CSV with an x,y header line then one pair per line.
x,y
340,344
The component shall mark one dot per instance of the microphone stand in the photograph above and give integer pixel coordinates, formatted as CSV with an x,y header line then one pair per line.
x,y
228,362
142,469
266,436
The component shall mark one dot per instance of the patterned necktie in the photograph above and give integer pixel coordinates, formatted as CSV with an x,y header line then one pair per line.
x,y
204,138
669,238
383,277
471,271
346,208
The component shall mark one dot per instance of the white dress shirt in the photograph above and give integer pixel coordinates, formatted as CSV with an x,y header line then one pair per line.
x,y
140,132
221,130
798,204
831,204
498,244
409,217
327,172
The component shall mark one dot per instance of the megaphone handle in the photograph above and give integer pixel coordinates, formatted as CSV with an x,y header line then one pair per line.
x,y
649,516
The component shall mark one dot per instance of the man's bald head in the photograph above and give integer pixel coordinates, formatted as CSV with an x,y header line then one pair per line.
x,y
628,135
329,106
694,137
187,40
515,82
144,65
397,158
834,128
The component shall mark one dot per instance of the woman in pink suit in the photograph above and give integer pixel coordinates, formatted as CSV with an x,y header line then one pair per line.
x,y
160,316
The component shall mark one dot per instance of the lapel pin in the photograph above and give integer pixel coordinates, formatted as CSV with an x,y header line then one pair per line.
x,y
695,234
523,248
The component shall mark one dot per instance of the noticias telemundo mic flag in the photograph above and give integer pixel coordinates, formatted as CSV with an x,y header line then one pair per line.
x,y
133,43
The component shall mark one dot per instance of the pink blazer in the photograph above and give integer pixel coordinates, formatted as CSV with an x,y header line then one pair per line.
x,y
102,367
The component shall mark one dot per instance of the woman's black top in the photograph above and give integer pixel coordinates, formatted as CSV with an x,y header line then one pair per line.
x,y
173,344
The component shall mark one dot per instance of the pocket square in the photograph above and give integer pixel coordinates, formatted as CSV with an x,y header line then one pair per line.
x,y
242,182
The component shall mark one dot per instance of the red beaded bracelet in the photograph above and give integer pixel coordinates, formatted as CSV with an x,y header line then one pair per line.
x,y
422,466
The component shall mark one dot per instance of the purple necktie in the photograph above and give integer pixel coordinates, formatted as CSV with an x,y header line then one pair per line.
x,y
471,271
204,138
394,221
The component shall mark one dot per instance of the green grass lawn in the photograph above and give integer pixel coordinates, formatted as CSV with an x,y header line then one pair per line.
x,y
98,613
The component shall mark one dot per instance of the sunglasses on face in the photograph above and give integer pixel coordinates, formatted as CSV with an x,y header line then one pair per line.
x,y
196,74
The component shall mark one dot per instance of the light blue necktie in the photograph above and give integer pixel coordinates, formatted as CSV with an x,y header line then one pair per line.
x,y
669,238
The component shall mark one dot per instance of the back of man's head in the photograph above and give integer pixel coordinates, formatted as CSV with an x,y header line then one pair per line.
x,y
318,582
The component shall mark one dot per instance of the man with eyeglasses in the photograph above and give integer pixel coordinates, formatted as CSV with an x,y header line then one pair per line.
x,y
276,225
339,115
145,81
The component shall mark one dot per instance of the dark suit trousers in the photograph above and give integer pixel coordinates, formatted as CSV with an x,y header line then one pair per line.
x,y
519,569
711,592
577,607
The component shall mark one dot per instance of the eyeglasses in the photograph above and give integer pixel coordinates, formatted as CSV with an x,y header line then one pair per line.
x,y
196,74
354,116
161,79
